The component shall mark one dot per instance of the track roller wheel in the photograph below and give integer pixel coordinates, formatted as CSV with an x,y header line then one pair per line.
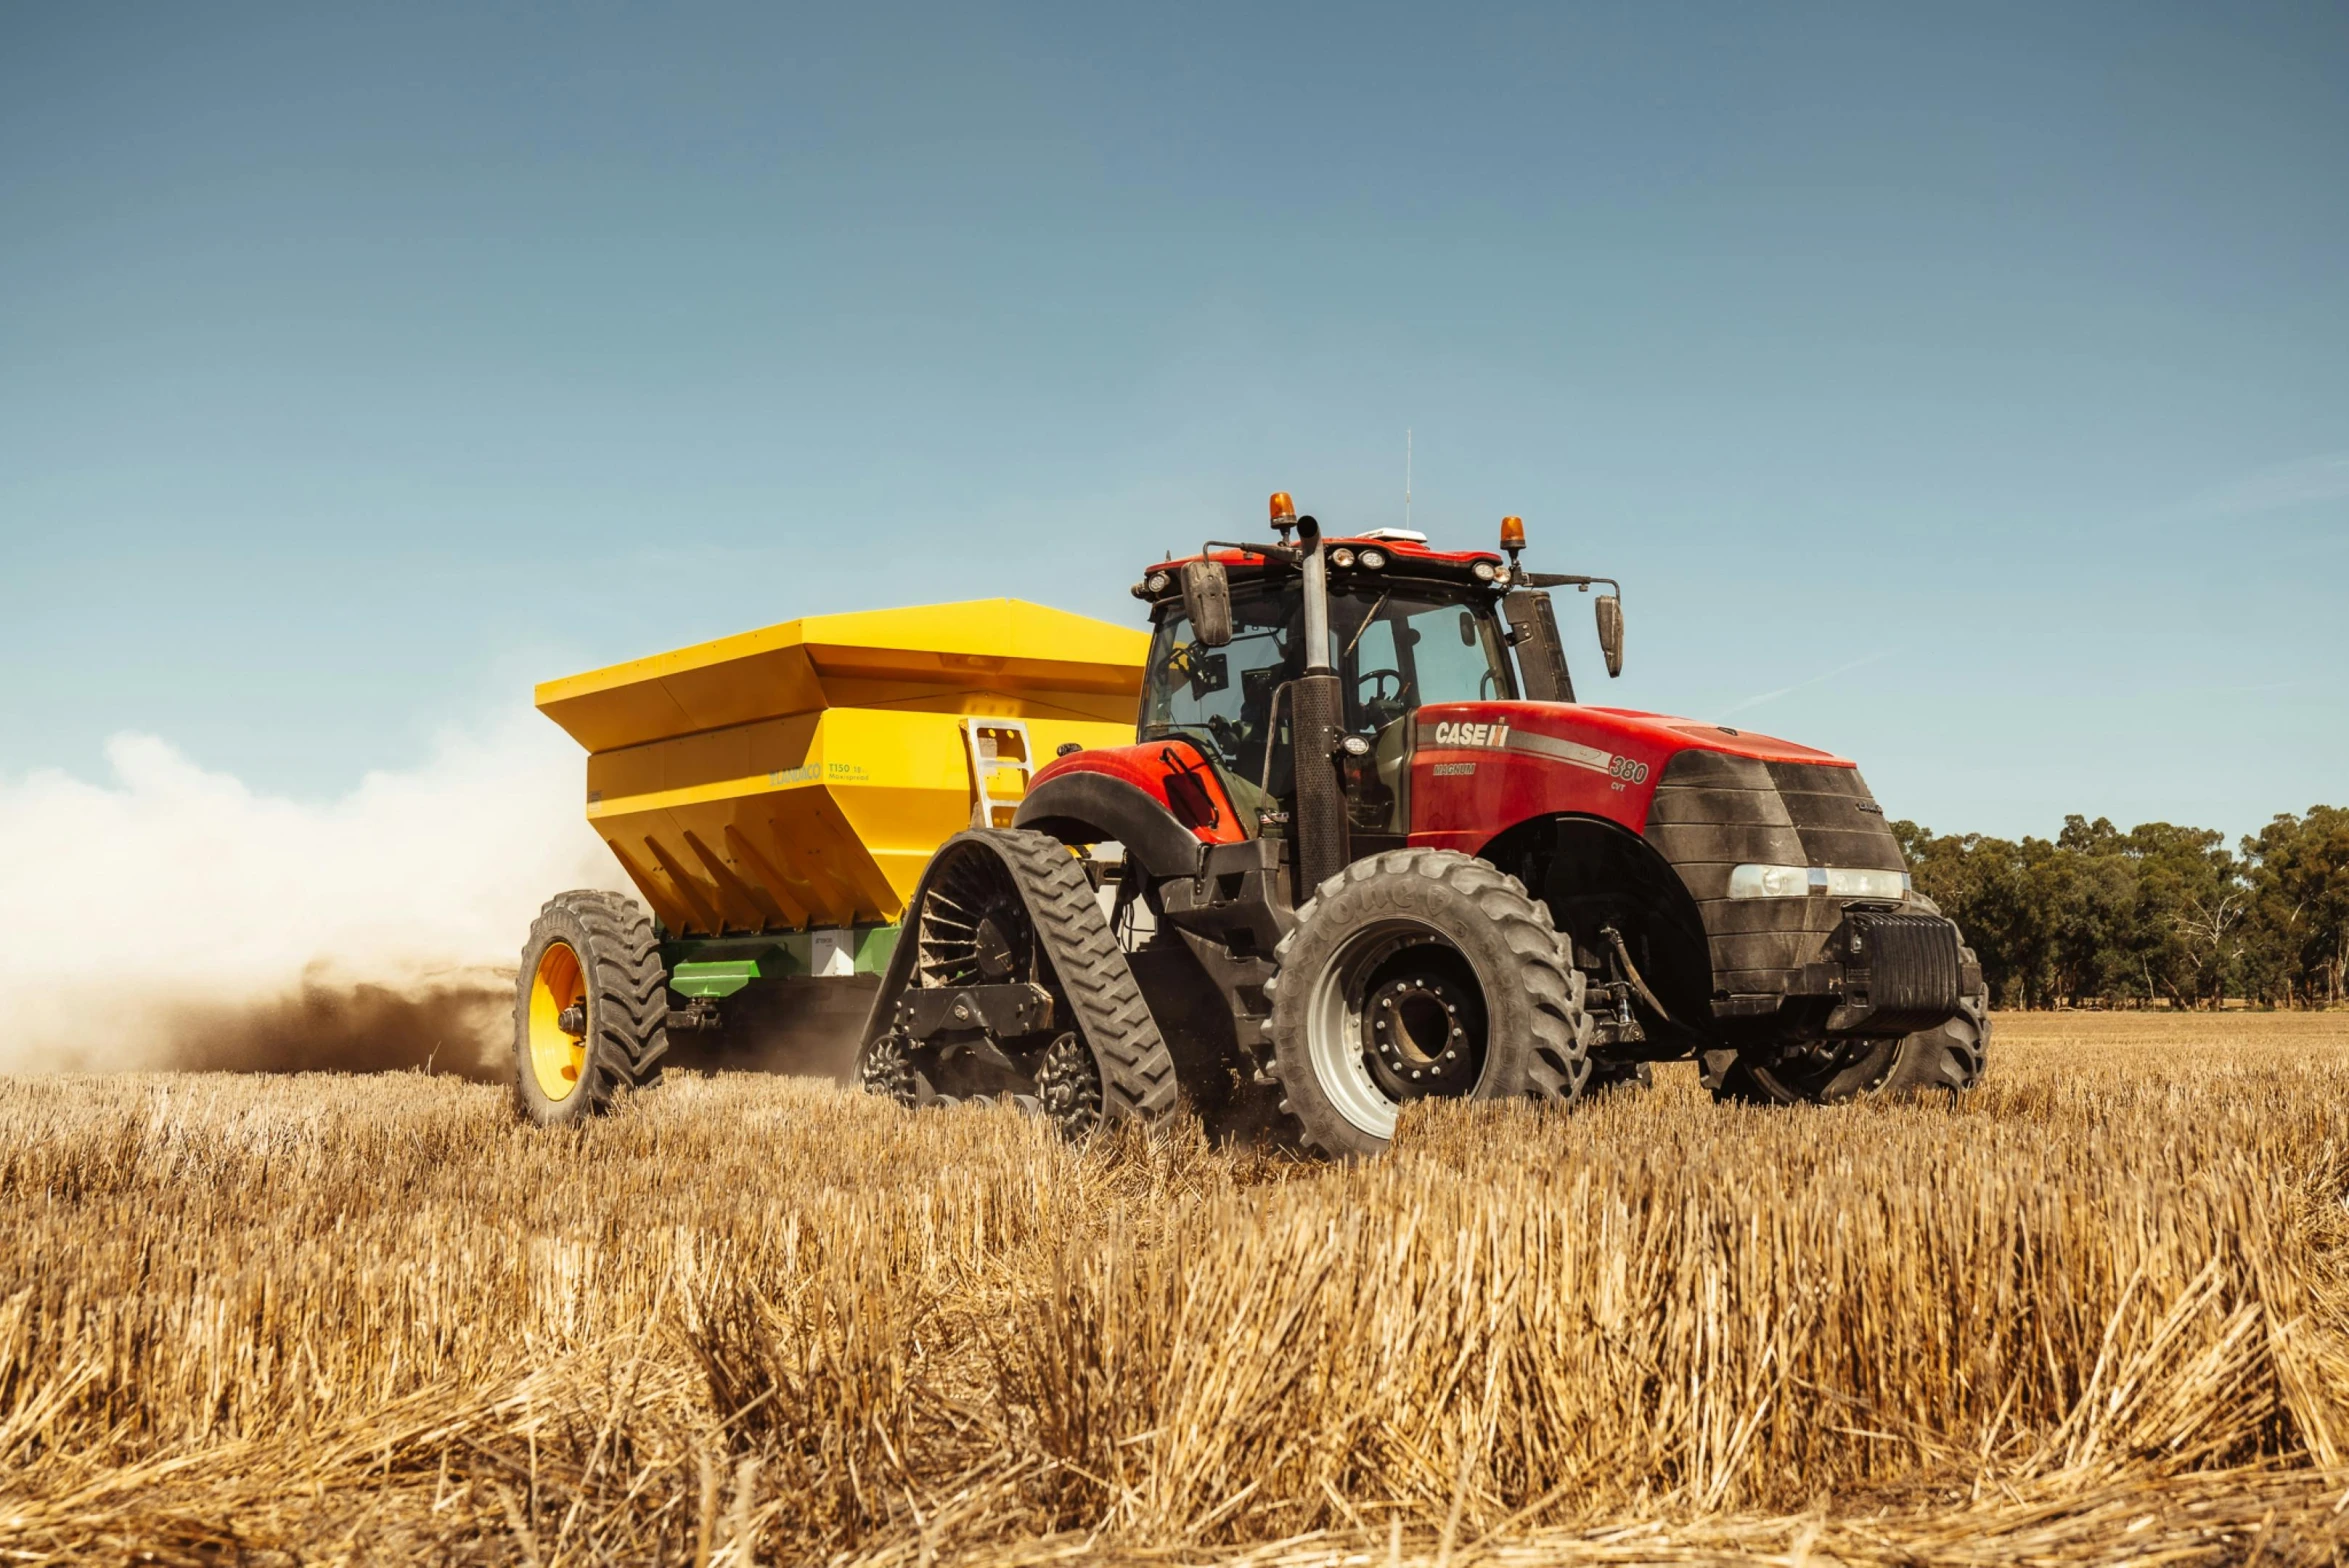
x,y
885,1069
1420,974
1068,1087
591,1007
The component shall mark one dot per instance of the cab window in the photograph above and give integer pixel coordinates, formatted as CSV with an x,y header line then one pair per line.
x,y
1401,650
1222,698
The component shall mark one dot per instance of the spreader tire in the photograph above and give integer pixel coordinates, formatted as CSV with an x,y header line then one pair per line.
x,y
1420,973
592,962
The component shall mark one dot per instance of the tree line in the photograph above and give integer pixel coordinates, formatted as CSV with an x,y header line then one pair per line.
x,y
2158,913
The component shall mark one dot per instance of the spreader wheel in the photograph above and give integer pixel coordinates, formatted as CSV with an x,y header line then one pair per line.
x,y
590,1007
1420,974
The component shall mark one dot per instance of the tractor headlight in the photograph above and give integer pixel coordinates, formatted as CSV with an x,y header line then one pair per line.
x,y
1770,882
1802,881
1375,560
1483,571
1851,882
1341,556
1156,582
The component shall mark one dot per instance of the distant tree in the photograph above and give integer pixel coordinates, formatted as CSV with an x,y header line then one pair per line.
x,y
2191,902
2087,883
2160,912
2299,917
1980,883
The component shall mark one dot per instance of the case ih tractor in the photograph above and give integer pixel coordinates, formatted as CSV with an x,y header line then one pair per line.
x,y
1366,847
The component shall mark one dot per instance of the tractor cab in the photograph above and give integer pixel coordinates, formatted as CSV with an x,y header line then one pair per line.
x,y
1406,627
1235,669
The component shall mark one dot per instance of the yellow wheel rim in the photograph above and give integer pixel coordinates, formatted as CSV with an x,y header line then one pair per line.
x,y
557,1056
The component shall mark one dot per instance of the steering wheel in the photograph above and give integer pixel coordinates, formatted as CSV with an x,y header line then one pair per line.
x,y
1227,736
1382,705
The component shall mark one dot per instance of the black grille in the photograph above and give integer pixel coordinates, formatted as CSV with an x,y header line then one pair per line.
x,y
1838,822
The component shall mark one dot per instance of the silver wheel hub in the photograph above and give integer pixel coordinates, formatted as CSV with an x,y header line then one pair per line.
x,y
1396,1015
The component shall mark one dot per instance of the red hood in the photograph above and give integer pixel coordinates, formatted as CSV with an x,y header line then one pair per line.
x,y
1478,768
1684,734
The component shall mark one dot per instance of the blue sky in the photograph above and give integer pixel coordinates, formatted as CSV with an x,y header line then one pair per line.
x,y
1968,394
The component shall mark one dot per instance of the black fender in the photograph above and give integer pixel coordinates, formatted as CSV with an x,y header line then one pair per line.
x,y
1088,808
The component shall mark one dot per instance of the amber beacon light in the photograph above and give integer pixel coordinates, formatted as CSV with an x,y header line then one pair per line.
x,y
1512,534
1284,510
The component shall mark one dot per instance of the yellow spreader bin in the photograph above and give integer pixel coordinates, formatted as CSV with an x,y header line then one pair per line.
x,y
797,779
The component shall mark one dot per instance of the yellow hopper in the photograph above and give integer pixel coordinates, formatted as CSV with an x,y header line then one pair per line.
x,y
800,777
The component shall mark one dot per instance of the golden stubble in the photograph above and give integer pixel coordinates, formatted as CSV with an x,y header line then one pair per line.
x,y
2093,1312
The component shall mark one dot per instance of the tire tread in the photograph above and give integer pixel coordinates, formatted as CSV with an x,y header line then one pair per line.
x,y
1559,1065
628,995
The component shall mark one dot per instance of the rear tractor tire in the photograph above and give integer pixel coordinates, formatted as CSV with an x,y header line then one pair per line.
x,y
591,1007
1420,974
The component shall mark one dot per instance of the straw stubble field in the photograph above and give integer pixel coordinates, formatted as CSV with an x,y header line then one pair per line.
x,y
2095,1312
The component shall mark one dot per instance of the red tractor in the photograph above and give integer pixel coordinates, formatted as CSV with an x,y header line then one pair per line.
x,y
1368,848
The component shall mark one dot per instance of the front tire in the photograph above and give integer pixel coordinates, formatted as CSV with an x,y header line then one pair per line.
x,y
1948,1060
1420,974
1951,1058
591,1007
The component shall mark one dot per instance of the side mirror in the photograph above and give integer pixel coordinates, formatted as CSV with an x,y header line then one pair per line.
x,y
1610,611
1207,600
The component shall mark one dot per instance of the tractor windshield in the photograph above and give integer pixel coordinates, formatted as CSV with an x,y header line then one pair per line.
x,y
1223,697
1396,646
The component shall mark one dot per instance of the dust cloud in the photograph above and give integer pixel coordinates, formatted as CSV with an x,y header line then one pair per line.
x,y
172,917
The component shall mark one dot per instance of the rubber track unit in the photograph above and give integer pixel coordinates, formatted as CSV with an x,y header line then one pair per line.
x,y
1558,1067
1137,1071
628,990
